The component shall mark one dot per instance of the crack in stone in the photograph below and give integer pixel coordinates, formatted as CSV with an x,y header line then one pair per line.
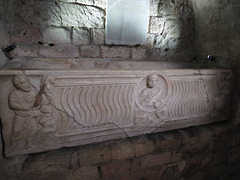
x,y
121,129
159,126
164,24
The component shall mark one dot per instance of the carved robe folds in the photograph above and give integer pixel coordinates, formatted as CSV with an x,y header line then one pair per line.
x,y
82,107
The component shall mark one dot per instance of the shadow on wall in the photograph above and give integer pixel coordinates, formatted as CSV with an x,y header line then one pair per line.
x,y
172,31
3,41
55,29
217,31
5,18
67,29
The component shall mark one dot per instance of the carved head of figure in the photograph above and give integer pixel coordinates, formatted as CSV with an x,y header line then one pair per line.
x,y
152,80
21,82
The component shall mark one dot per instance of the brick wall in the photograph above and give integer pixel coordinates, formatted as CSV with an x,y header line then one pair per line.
x,y
205,152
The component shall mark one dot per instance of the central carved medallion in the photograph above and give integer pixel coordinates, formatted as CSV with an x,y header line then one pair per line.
x,y
151,101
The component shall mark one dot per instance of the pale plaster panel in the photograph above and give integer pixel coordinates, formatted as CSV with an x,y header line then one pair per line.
x,y
127,22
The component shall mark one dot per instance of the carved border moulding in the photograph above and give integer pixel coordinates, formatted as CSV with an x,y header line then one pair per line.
x,y
46,110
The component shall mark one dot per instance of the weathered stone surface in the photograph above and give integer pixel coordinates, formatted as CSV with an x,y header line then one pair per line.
x,y
161,41
209,18
234,156
59,36
98,3
138,53
41,164
205,135
171,170
22,33
233,2
152,174
181,165
204,162
123,150
115,52
157,25
213,26
84,21
98,36
101,3
25,51
39,13
81,36
143,146
208,4
156,160
154,5
87,2
157,54
3,42
150,41
89,51
93,156
85,173
168,141
11,167
115,169
196,167
58,51
189,139
49,175
193,150
172,29
187,31
81,16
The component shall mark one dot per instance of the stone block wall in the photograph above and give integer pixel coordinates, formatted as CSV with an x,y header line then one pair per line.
x,y
5,17
205,152
217,30
76,28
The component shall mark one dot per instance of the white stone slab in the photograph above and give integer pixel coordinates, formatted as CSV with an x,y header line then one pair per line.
x,y
48,109
127,22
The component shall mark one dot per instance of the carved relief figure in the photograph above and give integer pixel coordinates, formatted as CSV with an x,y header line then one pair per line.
x,y
148,97
32,120
151,103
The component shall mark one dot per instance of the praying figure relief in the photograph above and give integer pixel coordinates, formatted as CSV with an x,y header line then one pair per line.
x,y
33,120
151,101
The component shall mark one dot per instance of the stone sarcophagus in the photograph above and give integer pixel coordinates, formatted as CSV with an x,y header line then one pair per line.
x,y
48,109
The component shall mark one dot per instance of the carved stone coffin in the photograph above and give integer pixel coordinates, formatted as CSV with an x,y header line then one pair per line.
x,y
48,109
